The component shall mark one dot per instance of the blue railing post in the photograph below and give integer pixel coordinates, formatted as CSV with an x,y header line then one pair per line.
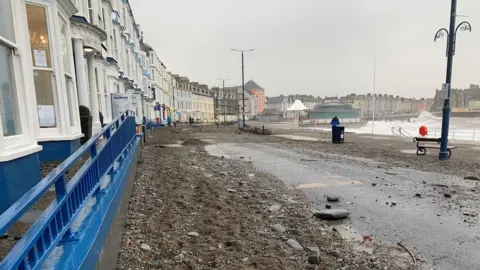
x,y
93,151
60,188
61,192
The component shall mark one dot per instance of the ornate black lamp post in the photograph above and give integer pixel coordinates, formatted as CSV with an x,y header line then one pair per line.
x,y
451,40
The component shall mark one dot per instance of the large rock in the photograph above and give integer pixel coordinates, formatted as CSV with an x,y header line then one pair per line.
x,y
333,198
332,214
274,208
278,228
193,234
314,259
294,244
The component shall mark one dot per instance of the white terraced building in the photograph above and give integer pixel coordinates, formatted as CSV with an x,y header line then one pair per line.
x,y
57,55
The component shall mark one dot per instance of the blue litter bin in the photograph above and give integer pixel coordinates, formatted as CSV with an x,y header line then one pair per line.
x,y
338,134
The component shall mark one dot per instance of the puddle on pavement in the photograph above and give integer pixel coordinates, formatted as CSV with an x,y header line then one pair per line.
x,y
215,151
299,138
376,137
176,144
172,145
409,151
350,234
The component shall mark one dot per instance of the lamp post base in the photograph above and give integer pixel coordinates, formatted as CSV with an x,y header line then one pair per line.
x,y
443,155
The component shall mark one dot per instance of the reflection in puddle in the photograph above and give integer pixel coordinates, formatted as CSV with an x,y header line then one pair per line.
x,y
409,151
365,244
298,138
376,137
215,151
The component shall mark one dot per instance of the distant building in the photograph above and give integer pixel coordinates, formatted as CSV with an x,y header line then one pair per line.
x,y
279,103
383,104
328,110
459,98
282,103
251,104
227,103
257,91
270,115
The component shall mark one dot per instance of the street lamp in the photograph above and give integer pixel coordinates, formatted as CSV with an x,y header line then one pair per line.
x,y
224,105
451,40
373,101
243,83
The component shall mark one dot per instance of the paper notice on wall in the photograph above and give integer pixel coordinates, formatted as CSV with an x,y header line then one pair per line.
x,y
40,58
120,103
46,116
137,107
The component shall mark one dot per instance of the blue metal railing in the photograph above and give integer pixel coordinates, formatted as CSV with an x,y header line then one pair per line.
x,y
54,225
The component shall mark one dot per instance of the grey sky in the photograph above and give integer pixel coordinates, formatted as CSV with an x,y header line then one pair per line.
x,y
314,47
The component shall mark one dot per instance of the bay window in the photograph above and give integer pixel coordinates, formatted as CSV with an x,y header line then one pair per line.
x,y
67,66
8,97
43,72
106,96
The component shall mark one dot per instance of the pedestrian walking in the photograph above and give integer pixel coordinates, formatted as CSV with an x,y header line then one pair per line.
x,y
335,122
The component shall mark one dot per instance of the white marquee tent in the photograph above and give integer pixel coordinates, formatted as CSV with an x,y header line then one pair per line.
x,y
297,106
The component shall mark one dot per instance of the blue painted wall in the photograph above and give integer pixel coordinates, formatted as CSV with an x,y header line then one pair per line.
x,y
58,150
17,177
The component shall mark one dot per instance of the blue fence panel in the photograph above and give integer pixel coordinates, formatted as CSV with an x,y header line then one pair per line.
x,y
54,224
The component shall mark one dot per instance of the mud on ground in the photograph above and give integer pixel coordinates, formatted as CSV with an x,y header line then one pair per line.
x,y
190,210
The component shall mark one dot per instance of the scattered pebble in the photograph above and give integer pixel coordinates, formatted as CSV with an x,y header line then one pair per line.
x,y
328,206
446,195
275,208
314,259
315,250
332,214
278,228
229,190
333,198
294,244
145,247
193,234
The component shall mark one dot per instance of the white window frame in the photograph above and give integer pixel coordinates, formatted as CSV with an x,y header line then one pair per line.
x,y
104,18
91,11
115,44
72,96
106,93
56,68
24,143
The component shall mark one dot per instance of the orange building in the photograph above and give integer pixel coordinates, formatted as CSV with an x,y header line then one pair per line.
x,y
259,92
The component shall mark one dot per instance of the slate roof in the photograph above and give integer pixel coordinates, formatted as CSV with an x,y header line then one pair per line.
x,y
270,112
276,100
251,85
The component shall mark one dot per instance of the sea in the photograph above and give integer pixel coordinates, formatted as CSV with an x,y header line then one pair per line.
x,y
460,128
